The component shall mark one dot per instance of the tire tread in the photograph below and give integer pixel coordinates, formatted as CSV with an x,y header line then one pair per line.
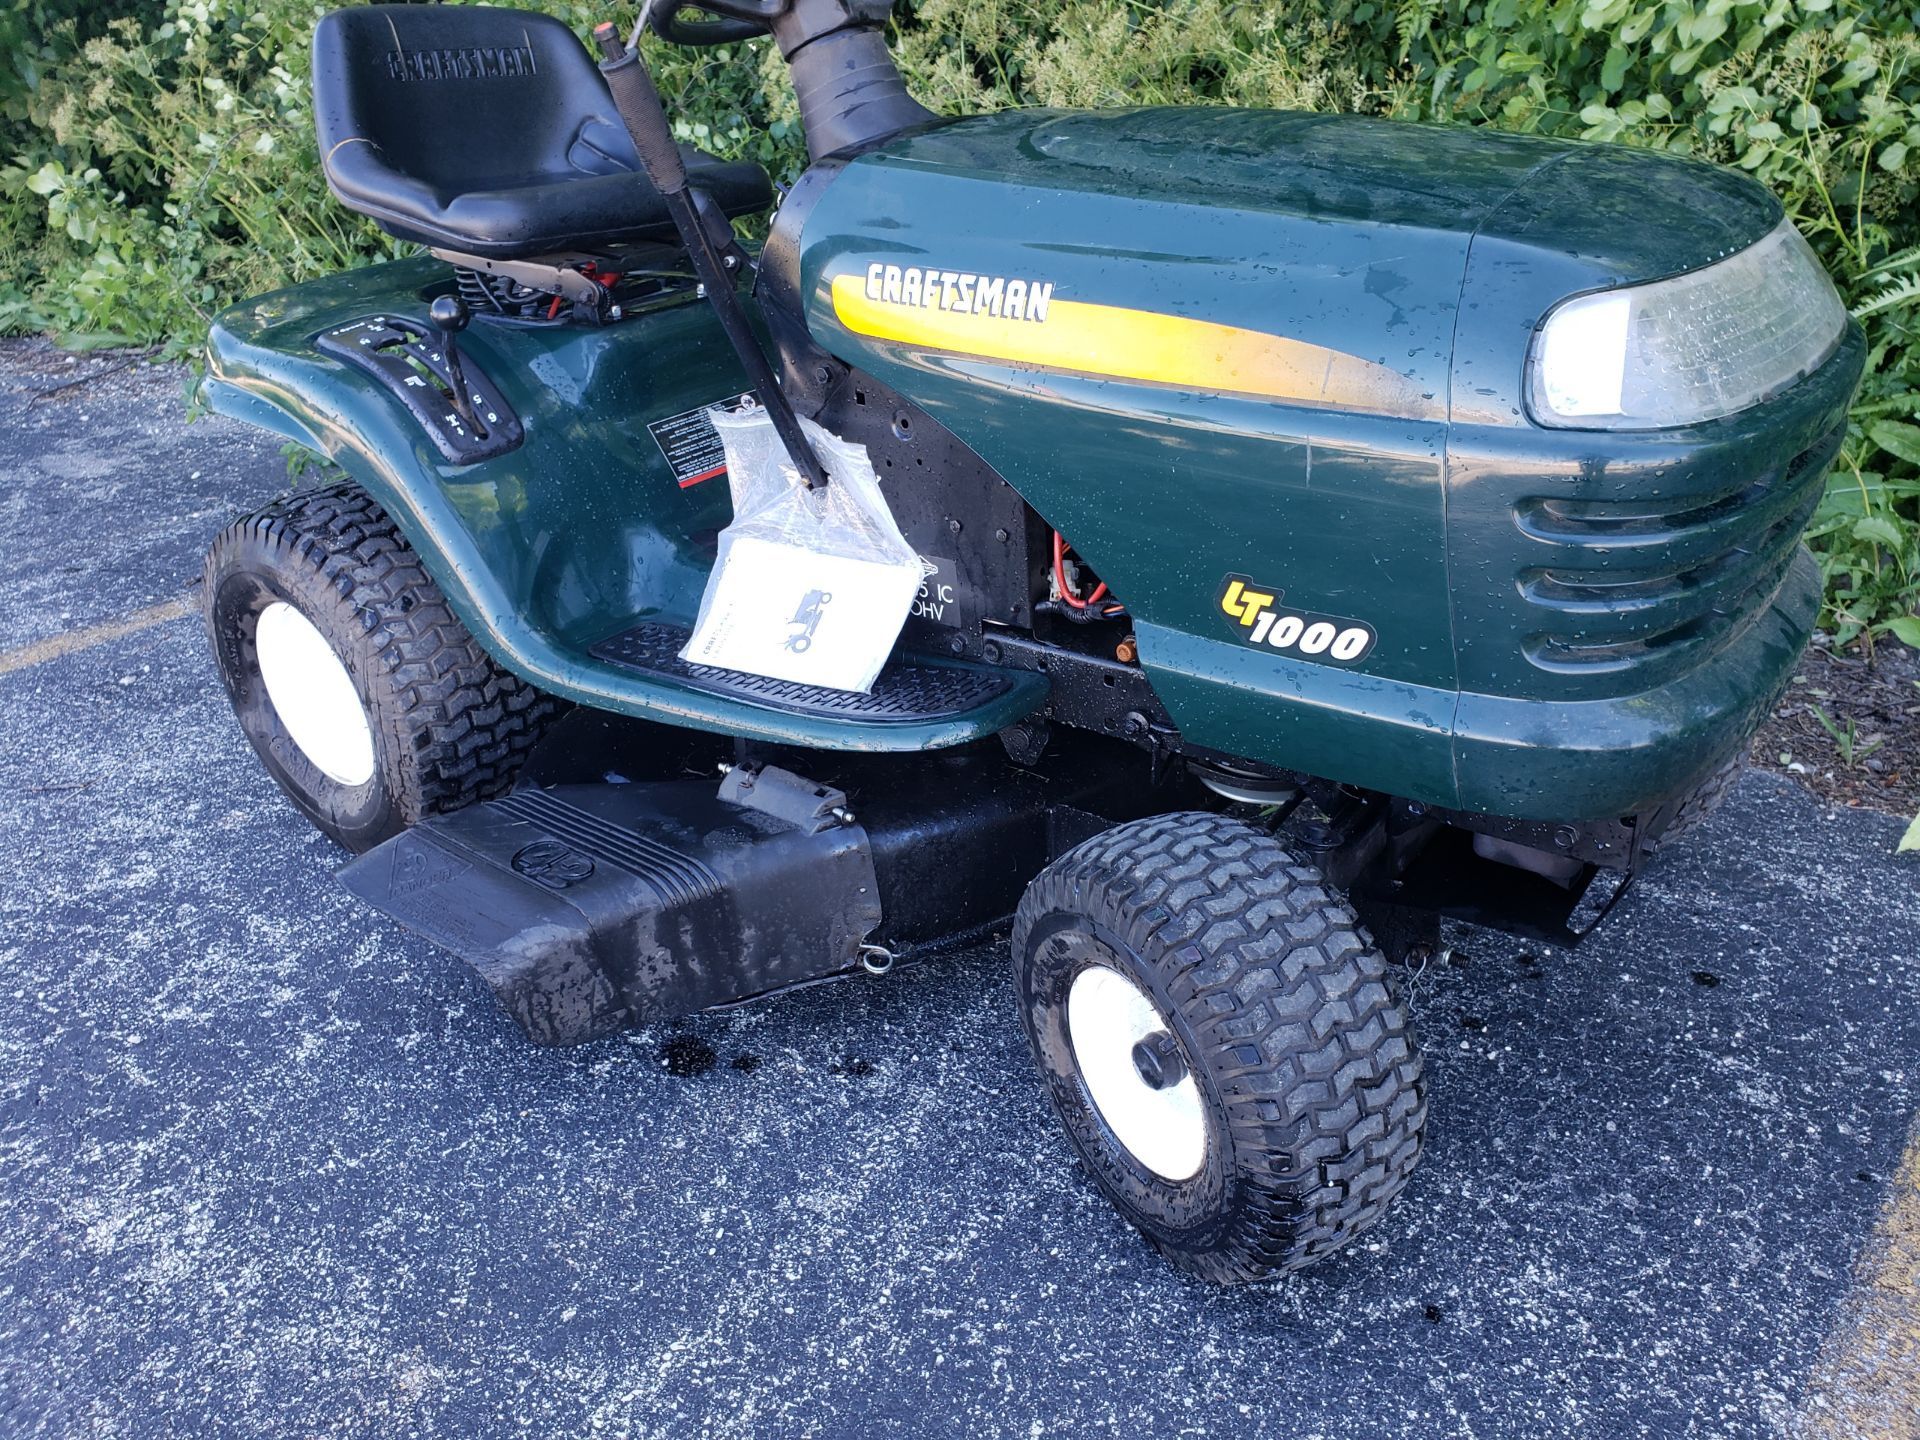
x,y
1321,1080
464,724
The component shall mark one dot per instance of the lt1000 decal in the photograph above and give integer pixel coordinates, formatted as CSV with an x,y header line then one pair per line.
x,y
1260,619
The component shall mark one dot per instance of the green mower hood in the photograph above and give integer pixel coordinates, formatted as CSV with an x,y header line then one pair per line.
x,y
1219,346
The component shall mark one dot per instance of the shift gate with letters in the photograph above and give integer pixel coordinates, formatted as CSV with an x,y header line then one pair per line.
x,y
407,360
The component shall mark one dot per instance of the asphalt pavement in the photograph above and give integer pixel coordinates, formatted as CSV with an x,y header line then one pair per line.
x,y
269,1166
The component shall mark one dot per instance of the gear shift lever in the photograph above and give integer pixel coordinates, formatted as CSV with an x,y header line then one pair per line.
x,y
450,315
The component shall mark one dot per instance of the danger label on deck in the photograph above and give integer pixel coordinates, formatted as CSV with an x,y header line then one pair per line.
x,y
691,444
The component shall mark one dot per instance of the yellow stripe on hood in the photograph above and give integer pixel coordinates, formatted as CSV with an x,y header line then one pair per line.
x,y
1123,344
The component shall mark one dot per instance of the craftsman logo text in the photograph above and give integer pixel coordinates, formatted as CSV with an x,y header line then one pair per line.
x,y
960,291
463,62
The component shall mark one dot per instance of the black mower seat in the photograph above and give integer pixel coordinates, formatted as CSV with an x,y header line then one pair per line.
x,y
490,132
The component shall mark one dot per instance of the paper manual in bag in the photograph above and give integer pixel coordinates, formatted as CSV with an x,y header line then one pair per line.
x,y
809,585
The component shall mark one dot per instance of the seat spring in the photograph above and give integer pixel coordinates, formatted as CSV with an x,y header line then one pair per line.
x,y
498,295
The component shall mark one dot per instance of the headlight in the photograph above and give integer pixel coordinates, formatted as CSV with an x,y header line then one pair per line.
x,y
1695,347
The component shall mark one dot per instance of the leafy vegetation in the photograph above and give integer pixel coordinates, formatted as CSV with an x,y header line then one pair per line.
x,y
163,162
1847,740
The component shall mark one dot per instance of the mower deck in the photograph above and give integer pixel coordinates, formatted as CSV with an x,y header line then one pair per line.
x,y
591,908
590,902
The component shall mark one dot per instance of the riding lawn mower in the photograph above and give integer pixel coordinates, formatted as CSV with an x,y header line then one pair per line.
x,y
1314,528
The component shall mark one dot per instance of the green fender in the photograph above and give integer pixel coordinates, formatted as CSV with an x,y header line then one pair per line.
x,y
575,536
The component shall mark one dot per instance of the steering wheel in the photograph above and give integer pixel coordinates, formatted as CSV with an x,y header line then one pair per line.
x,y
734,20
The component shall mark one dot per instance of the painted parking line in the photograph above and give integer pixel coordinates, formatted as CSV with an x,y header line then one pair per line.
x,y
54,646
1866,1383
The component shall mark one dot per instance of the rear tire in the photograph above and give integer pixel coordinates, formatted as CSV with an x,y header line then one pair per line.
x,y
1305,1083
437,724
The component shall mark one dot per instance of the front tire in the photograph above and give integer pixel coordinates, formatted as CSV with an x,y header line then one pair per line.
x,y
1700,803
366,699
1276,1103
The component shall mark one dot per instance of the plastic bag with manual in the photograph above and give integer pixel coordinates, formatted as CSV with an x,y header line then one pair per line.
x,y
809,585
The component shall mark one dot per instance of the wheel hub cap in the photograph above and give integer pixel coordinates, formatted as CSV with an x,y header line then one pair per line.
x,y
1159,1061
313,695
1135,1073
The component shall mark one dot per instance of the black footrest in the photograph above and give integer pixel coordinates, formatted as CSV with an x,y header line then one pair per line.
x,y
908,690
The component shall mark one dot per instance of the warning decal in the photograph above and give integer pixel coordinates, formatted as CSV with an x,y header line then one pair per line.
x,y
691,444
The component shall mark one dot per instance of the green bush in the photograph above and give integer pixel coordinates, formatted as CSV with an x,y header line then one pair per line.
x,y
164,163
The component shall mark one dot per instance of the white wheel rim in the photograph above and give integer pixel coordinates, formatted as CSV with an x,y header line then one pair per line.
x,y
313,695
1165,1130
